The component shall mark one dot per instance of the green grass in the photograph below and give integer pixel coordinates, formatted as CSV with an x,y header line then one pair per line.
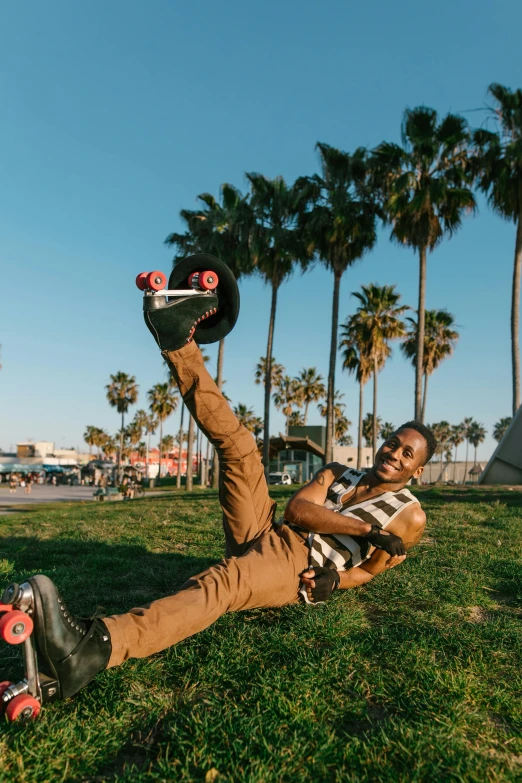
x,y
415,677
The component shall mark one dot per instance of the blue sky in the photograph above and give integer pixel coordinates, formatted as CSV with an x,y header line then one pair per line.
x,y
116,115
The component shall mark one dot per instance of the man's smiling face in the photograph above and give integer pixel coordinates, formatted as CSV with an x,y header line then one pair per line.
x,y
401,457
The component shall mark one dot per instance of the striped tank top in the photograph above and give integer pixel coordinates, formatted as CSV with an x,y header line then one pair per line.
x,y
341,551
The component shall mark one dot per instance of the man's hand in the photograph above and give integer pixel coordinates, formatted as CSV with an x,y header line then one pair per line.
x,y
383,539
320,583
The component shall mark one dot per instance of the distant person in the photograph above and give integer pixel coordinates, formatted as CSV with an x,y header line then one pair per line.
x,y
28,484
12,485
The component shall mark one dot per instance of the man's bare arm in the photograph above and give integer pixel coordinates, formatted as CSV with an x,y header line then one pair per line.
x,y
305,508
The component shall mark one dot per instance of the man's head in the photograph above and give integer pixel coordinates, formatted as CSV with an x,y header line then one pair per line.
x,y
403,455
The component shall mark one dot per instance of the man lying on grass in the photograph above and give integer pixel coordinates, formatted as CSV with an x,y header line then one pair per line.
x,y
339,531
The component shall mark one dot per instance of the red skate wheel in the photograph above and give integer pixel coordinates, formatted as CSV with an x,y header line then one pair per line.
x,y
191,278
156,281
23,707
208,281
141,281
15,627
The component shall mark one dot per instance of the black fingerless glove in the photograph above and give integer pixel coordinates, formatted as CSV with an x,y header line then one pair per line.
x,y
388,541
326,581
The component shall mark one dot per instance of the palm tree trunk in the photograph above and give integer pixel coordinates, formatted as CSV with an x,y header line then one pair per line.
x,y
161,438
219,384
180,446
207,459
147,456
120,455
455,464
421,313
374,428
331,370
360,430
306,412
424,395
190,449
268,379
515,307
466,464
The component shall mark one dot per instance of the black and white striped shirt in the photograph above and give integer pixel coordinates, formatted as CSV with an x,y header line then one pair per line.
x,y
341,551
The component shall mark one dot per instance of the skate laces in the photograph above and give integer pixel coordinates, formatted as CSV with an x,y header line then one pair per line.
x,y
201,318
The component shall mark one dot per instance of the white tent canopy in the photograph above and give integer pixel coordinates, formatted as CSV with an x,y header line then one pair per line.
x,y
505,466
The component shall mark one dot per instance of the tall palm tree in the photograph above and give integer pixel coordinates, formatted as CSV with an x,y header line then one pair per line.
x,y
296,419
122,391
387,429
276,246
442,431
357,361
369,430
181,440
499,176
221,228
476,436
342,425
379,312
167,444
309,387
456,437
150,425
425,192
189,480
286,397
141,449
440,340
277,371
163,400
340,227
89,437
500,428
337,415
467,427
245,416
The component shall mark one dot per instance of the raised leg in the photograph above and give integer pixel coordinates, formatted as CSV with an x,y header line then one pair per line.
x,y
248,510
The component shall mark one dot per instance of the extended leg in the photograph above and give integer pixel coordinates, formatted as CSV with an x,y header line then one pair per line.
x,y
248,510
267,576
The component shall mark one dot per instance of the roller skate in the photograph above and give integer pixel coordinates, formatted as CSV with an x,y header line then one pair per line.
x,y
61,653
201,302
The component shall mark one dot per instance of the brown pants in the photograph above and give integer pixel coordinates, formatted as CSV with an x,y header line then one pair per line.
x,y
263,561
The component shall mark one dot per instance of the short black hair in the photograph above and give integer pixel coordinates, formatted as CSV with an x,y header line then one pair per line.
x,y
427,434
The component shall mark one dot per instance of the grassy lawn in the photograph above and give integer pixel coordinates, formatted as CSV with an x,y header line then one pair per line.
x,y
415,677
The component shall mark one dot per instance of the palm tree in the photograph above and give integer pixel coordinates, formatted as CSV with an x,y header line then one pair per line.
x,y
342,425
369,430
442,431
190,451
141,449
167,444
467,427
150,425
108,445
276,246
245,416
181,440
309,387
379,314
425,192
277,372
338,414
89,437
220,228
163,400
476,436
439,342
357,361
286,397
122,391
340,227
456,437
499,170
386,430
500,428
296,419
133,433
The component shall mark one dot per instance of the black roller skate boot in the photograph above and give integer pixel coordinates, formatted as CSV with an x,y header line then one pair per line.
x,y
69,649
173,323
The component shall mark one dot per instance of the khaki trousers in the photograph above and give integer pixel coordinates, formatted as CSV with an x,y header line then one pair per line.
x,y
263,561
